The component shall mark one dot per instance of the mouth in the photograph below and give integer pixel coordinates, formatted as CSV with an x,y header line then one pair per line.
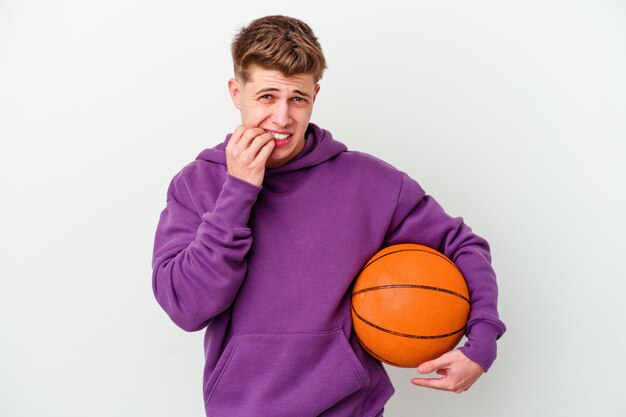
x,y
279,136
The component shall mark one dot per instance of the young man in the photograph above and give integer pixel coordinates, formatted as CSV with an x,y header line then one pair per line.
x,y
263,235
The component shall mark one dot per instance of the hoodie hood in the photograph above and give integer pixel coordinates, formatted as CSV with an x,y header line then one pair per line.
x,y
319,147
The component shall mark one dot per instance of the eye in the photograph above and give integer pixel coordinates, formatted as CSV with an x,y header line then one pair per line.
x,y
265,97
299,100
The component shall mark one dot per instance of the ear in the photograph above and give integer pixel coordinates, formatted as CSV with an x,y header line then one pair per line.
x,y
317,90
235,92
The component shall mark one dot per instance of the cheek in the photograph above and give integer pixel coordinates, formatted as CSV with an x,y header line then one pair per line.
x,y
254,115
303,115
297,112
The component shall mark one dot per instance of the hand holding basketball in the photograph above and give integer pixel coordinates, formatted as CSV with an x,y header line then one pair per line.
x,y
458,372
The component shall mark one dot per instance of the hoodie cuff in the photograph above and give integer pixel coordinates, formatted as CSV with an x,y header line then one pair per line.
x,y
481,345
234,204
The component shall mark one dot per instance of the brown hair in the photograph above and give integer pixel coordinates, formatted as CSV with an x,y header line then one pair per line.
x,y
279,43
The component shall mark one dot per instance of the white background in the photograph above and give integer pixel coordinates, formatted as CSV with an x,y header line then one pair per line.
x,y
512,114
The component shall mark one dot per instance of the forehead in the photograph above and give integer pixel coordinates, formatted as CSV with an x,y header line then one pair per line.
x,y
265,77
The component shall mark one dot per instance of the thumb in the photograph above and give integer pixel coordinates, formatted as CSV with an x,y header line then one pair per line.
x,y
427,367
433,365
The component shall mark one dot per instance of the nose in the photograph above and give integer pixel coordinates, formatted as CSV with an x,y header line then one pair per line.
x,y
280,114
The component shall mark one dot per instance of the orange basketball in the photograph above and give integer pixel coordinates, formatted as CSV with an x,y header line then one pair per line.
x,y
410,304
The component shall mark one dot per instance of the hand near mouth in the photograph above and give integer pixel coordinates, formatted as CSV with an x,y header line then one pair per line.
x,y
247,151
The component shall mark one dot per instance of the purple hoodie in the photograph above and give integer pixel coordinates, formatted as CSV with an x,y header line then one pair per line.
x,y
267,271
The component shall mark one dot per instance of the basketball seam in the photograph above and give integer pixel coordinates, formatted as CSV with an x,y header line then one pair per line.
x,y
411,336
415,286
379,357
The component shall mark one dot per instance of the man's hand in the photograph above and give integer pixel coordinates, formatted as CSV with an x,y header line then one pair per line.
x,y
247,151
459,372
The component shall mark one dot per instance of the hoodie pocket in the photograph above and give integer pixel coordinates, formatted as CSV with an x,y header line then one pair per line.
x,y
282,374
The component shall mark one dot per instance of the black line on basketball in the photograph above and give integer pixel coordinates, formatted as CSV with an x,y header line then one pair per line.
x,y
411,250
415,286
411,336
380,358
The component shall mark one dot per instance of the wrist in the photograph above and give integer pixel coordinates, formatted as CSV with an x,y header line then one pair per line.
x,y
235,201
481,345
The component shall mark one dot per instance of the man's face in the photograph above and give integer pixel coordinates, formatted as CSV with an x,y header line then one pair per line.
x,y
278,104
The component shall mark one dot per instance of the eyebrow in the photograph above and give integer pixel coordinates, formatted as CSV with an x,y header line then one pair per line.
x,y
266,90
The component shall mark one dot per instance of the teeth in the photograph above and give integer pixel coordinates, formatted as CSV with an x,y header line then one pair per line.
x,y
280,136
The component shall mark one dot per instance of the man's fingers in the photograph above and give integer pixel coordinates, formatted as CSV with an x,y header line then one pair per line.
x,y
235,137
265,151
246,144
443,384
241,138
260,142
431,366
458,372
248,137
436,383
247,152
441,362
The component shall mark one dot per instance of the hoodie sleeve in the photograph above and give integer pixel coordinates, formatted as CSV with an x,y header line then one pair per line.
x,y
199,262
418,218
